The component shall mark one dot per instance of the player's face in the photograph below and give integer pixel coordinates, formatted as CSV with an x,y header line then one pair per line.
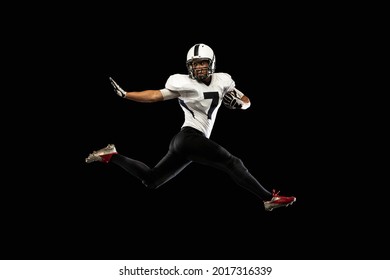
x,y
200,68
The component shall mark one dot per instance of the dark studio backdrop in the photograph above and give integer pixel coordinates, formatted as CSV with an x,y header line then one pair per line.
x,y
289,139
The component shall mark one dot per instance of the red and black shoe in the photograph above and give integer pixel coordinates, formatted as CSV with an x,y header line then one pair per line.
x,y
102,155
278,201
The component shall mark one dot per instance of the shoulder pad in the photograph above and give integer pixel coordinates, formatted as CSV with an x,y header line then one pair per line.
x,y
225,80
178,82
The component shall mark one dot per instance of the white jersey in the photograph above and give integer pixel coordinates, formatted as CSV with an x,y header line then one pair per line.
x,y
200,102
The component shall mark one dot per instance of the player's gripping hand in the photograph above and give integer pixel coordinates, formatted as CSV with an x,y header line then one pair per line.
x,y
117,88
232,101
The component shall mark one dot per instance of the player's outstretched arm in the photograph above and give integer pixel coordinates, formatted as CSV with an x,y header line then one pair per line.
x,y
146,96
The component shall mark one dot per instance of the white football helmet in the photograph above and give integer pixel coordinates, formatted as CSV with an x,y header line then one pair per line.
x,y
200,52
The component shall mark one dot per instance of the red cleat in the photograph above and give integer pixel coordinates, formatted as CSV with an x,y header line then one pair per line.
x,y
278,201
102,155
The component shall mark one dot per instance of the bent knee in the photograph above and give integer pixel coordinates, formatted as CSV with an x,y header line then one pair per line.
x,y
236,163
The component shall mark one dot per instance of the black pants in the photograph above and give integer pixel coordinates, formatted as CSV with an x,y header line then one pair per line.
x,y
191,145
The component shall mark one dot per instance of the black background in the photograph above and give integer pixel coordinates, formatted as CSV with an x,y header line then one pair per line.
x,y
296,138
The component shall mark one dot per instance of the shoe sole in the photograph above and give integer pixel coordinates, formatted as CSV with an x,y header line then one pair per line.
x,y
92,158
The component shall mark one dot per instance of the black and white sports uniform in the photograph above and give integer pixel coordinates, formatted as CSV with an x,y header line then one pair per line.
x,y
200,104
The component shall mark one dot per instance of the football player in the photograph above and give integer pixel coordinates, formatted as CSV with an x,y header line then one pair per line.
x,y
200,93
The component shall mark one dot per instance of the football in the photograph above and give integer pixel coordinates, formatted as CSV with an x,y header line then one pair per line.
x,y
230,100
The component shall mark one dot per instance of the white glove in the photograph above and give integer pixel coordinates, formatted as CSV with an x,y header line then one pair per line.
x,y
117,88
232,101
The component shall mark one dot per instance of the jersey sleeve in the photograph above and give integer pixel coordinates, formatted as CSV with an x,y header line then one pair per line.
x,y
169,94
230,85
172,87
175,86
227,82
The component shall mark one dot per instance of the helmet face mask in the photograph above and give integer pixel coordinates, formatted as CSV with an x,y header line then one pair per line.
x,y
200,52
